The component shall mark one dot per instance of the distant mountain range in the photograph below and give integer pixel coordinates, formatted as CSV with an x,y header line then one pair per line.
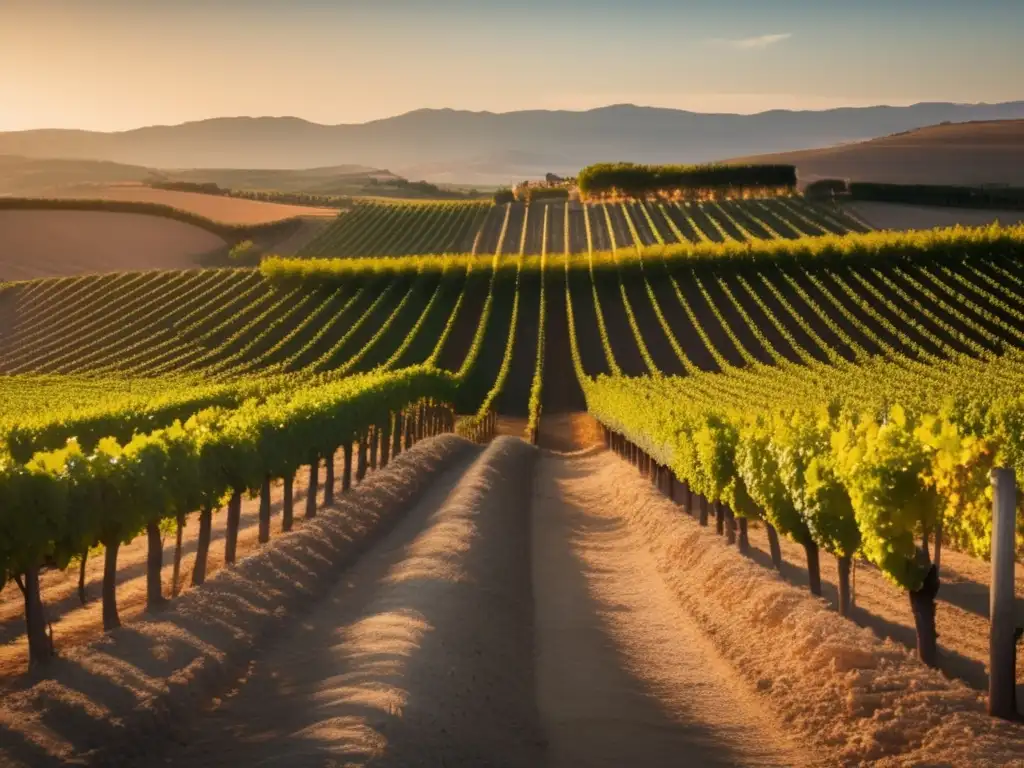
x,y
486,148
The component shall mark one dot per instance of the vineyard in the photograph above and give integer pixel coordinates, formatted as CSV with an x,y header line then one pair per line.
x,y
385,229
770,364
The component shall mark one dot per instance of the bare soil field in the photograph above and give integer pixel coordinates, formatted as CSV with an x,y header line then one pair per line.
x,y
984,152
57,243
226,210
904,217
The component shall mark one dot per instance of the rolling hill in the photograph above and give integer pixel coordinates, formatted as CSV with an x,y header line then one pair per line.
x,y
479,147
35,176
985,152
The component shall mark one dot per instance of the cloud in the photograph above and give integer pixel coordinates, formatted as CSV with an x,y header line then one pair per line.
x,y
753,43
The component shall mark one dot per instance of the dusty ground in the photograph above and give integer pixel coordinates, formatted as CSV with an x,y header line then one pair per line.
x,y
513,426
897,216
419,656
423,654
55,243
569,431
624,675
848,697
228,210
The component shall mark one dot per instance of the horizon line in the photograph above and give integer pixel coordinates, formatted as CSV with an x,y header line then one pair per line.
x,y
522,111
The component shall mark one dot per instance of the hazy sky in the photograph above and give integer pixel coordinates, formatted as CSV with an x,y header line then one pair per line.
x,y
117,64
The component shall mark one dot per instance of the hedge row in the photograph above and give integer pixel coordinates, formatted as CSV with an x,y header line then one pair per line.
x,y
953,243
636,180
941,195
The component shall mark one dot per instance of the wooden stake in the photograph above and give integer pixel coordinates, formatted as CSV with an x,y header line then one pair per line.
x,y
1002,643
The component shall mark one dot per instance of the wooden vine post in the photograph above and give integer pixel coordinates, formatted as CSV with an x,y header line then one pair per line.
x,y
361,455
1002,632
329,478
264,514
314,487
396,446
374,447
385,442
346,472
288,504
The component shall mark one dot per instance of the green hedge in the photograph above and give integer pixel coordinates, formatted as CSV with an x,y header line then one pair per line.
x,y
882,247
940,195
636,180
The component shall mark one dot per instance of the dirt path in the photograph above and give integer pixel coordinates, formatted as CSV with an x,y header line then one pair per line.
x,y
402,661
624,677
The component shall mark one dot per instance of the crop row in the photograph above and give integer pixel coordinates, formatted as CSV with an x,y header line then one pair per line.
x,y
384,229
63,502
376,229
646,312
883,459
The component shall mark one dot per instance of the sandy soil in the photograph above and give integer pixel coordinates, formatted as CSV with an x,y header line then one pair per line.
x,y
569,431
962,615
56,243
419,656
898,216
228,210
848,697
625,677
513,426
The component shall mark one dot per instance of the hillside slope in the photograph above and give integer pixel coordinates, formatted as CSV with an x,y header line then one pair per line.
x,y
223,209
972,153
447,143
